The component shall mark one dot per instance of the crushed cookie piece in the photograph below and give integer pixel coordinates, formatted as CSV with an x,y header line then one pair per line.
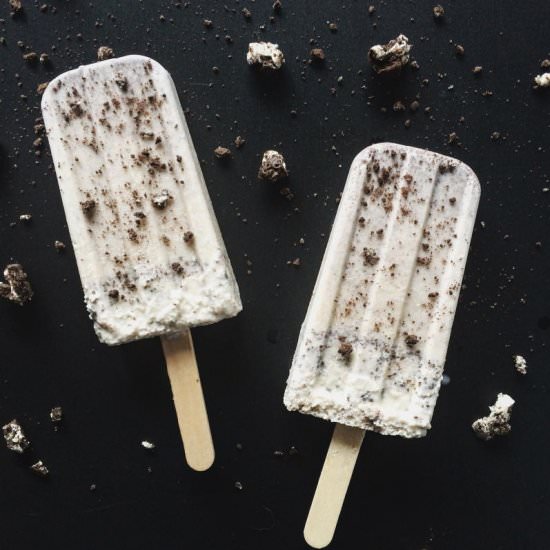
x,y
239,142
452,139
332,27
390,57
30,57
44,58
317,54
25,217
370,257
497,423
16,6
277,6
56,414
113,294
438,11
273,166
41,88
542,80
188,236
105,52
371,10
178,268
265,55
222,152
16,288
59,246
411,340
88,207
207,23
345,349
148,445
15,437
459,50
161,200
247,14
520,363
122,83
40,468
477,69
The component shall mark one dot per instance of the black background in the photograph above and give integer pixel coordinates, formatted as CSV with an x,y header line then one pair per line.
x,y
446,491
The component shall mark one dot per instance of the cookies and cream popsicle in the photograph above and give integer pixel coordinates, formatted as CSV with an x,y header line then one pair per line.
x,y
372,347
149,251
150,254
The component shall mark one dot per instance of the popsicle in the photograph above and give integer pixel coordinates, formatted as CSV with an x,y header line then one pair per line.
x,y
150,254
371,350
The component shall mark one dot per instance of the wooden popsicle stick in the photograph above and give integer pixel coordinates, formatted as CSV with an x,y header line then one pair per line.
x,y
189,400
332,485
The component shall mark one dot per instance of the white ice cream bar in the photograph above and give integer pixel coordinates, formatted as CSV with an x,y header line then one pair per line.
x,y
150,254
372,348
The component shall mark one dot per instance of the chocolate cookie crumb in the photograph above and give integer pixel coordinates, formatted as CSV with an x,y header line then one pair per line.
x,y
56,414
15,437
438,11
16,6
41,88
30,57
222,152
188,236
498,421
16,288
113,294
390,57
272,167
317,54
239,142
161,200
104,52
370,257
178,268
40,468
345,350
88,207
411,340
265,55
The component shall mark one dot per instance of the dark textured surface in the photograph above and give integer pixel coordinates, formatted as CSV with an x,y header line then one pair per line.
x,y
446,491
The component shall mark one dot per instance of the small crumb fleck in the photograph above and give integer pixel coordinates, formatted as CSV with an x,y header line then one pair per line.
x,y
542,80
56,414
317,54
41,88
438,11
521,364
148,445
59,246
88,207
40,468
161,200
477,69
459,50
222,152
25,217
188,236
105,52
239,142
238,485
345,349
411,340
